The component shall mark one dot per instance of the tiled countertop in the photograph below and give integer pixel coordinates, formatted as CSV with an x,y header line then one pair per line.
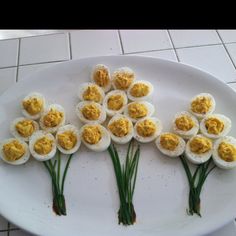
x,y
211,50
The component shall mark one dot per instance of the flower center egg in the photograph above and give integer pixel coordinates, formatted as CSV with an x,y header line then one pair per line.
x,y
52,118
115,102
92,93
146,128
92,134
139,90
137,110
123,80
33,105
43,146
91,112
67,140
201,105
13,150
214,125
200,145
227,152
169,141
101,77
120,127
25,128
184,123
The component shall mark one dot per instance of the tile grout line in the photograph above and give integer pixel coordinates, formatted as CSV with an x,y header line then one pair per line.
x,y
18,60
226,49
121,43
177,57
8,228
70,47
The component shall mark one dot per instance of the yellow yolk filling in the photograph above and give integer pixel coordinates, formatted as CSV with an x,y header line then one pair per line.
x,y
120,127
92,93
169,141
227,152
200,145
13,150
115,102
214,126
137,110
146,128
101,77
33,105
67,140
91,112
123,80
92,134
184,123
52,118
43,146
201,105
25,128
139,90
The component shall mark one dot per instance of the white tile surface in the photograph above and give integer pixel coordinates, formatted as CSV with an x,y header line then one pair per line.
x,y
213,59
165,54
144,40
7,78
9,52
232,51
19,233
26,71
228,36
87,43
3,223
47,48
186,38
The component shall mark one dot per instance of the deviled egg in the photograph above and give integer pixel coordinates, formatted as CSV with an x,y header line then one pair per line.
x,y
138,110
52,118
185,124
224,154
101,76
122,78
95,137
121,129
140,90
170,144
199,149
91,92
42,145
202,105
14,151
115,102
215,126
89,112
23,128
33,105
147,129
68,139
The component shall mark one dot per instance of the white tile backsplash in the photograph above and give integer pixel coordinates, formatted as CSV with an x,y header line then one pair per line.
x,y
188,38
19,233
88,43
9,52
212,59
165,54
232,51
44,48
145,40
7,78
228,36
3,223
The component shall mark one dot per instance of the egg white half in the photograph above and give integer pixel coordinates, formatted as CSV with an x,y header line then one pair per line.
x,y
20,161
36,136
216,158
224,132
83,119
29,96
75,131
